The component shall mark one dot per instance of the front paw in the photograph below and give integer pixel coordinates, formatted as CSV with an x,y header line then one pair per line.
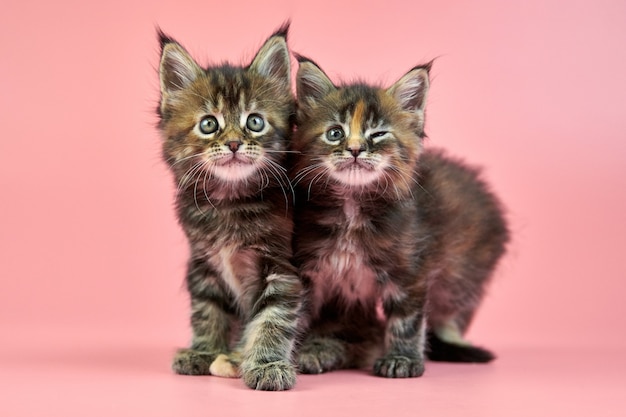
x,y
224,366
192,362
321,355
395,366
273,376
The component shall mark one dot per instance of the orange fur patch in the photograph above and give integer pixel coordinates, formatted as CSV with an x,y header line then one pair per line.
x,y
223,367
354,140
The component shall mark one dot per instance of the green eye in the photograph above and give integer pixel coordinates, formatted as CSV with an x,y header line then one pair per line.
x,y
255,122
335,134
208,125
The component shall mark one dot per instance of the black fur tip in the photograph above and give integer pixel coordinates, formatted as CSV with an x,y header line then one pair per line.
x,y
302,59
427,66
441,351
163,38
283,30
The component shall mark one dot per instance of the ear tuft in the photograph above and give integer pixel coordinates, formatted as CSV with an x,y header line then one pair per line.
x,y
164,39
283,30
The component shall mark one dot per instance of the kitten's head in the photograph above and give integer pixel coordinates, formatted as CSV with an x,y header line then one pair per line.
x,y
357,137
225,127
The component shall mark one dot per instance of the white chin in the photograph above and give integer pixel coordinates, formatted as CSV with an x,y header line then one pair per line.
x,y
356,176
234,171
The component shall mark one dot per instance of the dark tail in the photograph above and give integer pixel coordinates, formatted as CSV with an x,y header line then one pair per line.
x,y
441,351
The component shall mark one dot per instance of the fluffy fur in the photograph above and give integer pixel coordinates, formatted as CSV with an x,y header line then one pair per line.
x,y
382,224
225,131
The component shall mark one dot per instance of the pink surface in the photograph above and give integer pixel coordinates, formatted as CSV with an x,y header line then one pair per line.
x,y
92,260
134,380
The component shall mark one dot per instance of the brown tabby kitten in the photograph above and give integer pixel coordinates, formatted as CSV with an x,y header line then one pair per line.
x,y
380,220
225,130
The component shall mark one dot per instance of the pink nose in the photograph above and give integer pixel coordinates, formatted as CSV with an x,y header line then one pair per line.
x,y
234,145
356,150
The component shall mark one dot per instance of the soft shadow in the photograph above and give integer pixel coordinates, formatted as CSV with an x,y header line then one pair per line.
x,y
145,360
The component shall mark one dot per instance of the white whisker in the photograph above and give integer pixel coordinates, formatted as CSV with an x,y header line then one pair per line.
x,y
403,177
280,174
208,174
195,193
315,179
187,158
188,176
306,171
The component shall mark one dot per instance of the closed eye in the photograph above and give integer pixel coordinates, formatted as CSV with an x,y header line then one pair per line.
x,y
378,136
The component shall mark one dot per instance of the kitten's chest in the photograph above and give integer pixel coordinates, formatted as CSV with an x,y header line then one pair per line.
x,y
237,267
227,243
345,265
349,271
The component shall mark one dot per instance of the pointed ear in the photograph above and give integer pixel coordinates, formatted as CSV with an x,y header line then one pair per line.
x,y
312,84
411,90
177,69
272,60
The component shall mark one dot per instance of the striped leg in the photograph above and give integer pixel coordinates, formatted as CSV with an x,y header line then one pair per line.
x,y
269,338
405,336
211,318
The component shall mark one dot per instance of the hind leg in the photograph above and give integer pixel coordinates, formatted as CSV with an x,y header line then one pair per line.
x,y
446,344
450,332
454,298
352,339
451,312
319,354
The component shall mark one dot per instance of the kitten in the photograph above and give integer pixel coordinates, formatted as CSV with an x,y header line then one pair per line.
x,y
226,130
382,222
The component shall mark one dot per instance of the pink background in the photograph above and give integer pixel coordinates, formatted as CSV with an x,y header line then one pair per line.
x,y
92,260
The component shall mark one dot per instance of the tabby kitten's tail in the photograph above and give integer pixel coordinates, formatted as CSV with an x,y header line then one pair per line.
x,y
440,350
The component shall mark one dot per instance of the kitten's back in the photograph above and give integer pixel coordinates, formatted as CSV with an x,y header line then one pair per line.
x,y
468,235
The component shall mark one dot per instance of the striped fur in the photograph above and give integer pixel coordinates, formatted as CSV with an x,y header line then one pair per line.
x,y
225,131
382,223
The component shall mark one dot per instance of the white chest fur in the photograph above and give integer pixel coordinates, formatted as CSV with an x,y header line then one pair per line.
x,y
223,261
344,269
350,275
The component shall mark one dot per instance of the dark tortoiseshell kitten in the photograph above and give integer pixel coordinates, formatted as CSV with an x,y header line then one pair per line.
x,y
381,222
225,131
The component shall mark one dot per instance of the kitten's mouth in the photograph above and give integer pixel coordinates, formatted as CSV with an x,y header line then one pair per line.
x,y
234,168
355,172
234,160
355,164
